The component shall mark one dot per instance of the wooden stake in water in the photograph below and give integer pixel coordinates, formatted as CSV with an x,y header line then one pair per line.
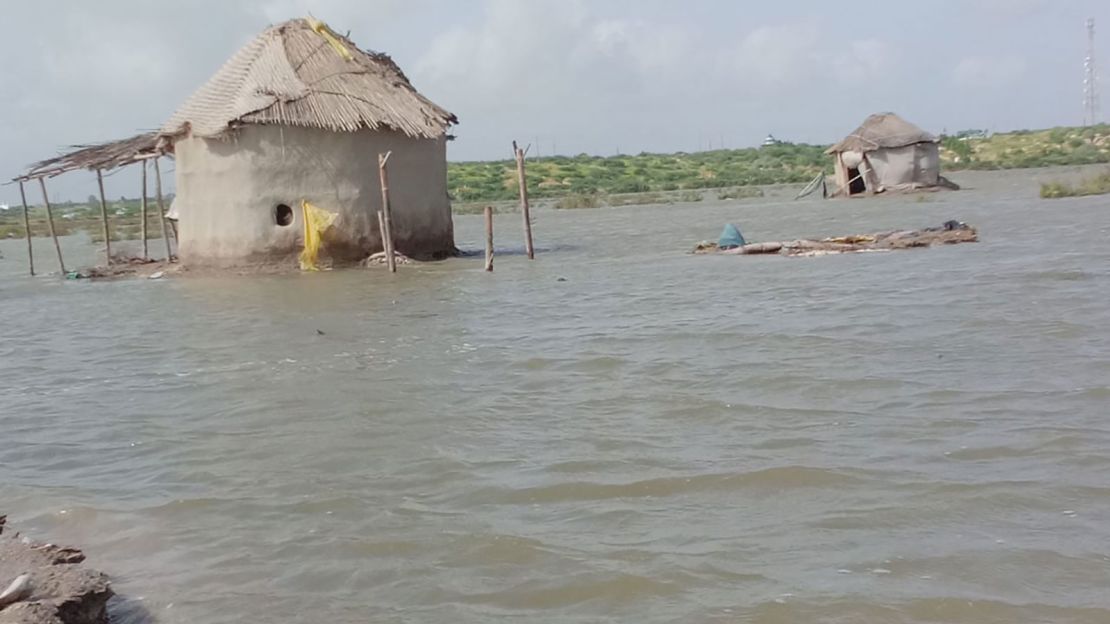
x,y
524,208
387,218
146,251
104,219
162,209
27,229
489,238
50,224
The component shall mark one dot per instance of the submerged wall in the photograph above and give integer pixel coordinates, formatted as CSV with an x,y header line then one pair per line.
x,y
906,168
229,193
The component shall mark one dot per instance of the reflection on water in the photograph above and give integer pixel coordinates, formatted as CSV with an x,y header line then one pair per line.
x,y
616,432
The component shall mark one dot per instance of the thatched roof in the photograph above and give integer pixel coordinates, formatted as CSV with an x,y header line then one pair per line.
x,y
103,156
883,130
301,73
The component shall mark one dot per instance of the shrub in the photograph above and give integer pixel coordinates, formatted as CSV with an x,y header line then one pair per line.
x,y
1097,185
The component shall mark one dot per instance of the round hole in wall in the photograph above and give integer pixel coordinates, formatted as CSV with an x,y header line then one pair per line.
x,y
283,215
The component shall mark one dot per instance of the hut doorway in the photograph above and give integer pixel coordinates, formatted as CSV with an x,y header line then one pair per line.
x,y
856,185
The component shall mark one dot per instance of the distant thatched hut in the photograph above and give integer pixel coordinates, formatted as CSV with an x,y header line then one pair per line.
x,y
886,153
301,113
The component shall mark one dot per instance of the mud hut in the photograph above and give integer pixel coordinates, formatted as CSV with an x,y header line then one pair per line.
x,y
301,114
886,153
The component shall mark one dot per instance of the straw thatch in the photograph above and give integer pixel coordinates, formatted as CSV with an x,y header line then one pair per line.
x,y
300,73
884,130
104,156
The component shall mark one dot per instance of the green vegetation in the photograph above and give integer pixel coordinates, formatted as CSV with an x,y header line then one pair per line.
x,y
580,177
1027,148
71,217
1097,185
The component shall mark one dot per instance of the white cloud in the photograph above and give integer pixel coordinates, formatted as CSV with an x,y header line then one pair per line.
x,y
1012,8
987,72
129,60
866,60
523,56
779,57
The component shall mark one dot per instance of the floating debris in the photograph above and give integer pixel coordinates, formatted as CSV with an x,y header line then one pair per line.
x,y
379,259
950,233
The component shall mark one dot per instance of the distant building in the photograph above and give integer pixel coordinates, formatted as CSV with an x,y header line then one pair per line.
x,y
771,140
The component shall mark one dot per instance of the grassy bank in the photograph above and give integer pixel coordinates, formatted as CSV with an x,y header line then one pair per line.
x,y
125,221
1026,149
608,177
1095,185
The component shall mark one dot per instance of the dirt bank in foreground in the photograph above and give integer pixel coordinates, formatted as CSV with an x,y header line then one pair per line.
x,y
47,584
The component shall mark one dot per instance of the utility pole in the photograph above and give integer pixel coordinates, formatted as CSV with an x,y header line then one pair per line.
x,y
1091,114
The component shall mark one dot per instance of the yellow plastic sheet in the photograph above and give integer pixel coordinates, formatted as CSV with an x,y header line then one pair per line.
x,y
316,222
322,29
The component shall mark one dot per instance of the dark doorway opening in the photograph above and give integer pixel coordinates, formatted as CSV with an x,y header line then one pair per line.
x,y
283,215
856,185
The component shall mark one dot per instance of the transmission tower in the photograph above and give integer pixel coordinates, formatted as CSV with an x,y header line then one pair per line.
x,y
1091,113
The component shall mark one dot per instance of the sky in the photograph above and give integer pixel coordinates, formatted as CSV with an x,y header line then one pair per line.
x,y
567,76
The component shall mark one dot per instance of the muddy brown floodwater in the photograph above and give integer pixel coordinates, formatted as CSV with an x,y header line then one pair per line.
x,y
919,436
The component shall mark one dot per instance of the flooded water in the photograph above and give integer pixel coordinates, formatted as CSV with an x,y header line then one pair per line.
x,y
617,432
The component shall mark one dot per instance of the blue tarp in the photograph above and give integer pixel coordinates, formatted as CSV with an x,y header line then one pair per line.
x,y
731,238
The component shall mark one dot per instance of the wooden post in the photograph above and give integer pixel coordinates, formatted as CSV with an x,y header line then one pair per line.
x,y
27,228
162,209
104,219
381,234
387,218
146,250
50,223
524,208
489,238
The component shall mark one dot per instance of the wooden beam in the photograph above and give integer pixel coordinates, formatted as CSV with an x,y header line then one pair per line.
x,y
104,219
489,238
50,223
162,209
146,250
524,208
27,228
387,218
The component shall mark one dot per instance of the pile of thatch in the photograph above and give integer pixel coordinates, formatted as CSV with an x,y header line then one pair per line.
x,y
950,233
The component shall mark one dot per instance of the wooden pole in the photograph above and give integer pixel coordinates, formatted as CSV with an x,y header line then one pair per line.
x,y
104,219
381,234
387,218
162,209
50,223
146,250
489,238
27,228
524,208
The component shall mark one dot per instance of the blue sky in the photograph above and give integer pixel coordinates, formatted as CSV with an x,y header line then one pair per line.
x,y
573,75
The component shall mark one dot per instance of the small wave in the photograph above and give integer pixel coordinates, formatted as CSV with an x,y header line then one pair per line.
x,y
1074,275
785,477
934,609
616,590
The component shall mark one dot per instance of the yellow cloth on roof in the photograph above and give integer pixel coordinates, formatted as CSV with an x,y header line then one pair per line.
x,y
316,222
322,29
